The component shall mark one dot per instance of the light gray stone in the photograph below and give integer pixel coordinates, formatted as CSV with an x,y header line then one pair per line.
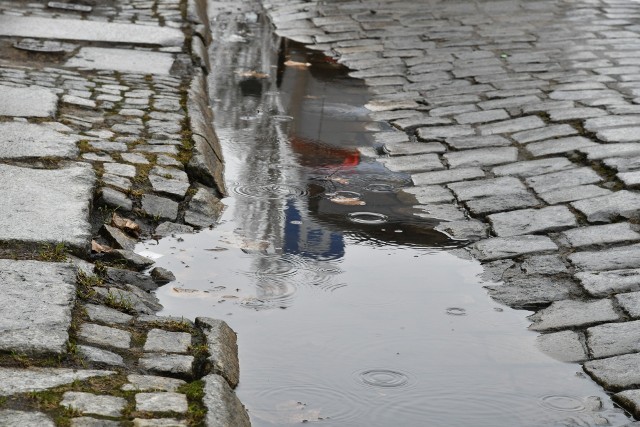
x,y
36,306
100,313
599,123
621,134
564,346
14,380
223,349
120,169
569,178
142,302
445,176
204,209
509,247
158,422
117,238
602,151
613,339
470,230
139,280
526,221
548,132
560,145
161,402
629,400
417,163
175,364
571,194
534,167
170,181
630,302
93,422
413,148
160,207
11,418
170,228
152,383
104,335
29,140
603,283
482,157
609,259
488,187
122,60
573,314
88,403
444,212
503,203
543,264
532,291
601,234
99,356
78,101
513,125
606,208
469,142
425,195
162,341
63,194
111,197
89,30
130,258
440,133
617,372
31,101
629,179
223,406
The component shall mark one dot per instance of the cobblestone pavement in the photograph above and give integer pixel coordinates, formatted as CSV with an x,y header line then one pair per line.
x,y
105,139
526,116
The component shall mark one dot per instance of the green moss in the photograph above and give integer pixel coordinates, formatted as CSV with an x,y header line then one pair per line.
x,y
195,393
51,253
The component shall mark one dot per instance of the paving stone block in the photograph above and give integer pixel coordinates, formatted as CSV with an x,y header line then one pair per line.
x,y
604,283
114,198
510,126
527,221
34,191
532,291
548,132
29,140
158,422
482,157
613,339
151,383
560,145
600,235
601,123
607,208
481,116
204,209
609,259
503,203
425,195
88,403
534,167
571,194
36,306
15,380
488,187
162,341
629,400
160,207
543,264
444,212
12,418
630,179
623,164
413,148
99,356
573,314
223,406
603,151
445,176
104,335
617,372
630,302
622,134
568,178
509,247
575,114
470,230
417,163
440,133
171,364
565,346
92,422
31,101
162,402
470,142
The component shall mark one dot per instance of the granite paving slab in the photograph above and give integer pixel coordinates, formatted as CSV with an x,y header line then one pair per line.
x,y
122,60
31,101
14,380
20,140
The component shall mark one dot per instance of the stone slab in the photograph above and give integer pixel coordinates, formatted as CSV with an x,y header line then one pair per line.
x,y
603,283
172,364
509,247
105,335
162,422
507,202
425,194
528,221
573,314
613,339
565,346
162,341
162,402
630,302
445,176
610,259
122,60
617,372
32,101
413,148
14,381
604,151
568,178
629,400
572,194
532,291
417,163
534,167
487,187
471,230
88,403
622,203
223,406
63,194
223,348
557,146
204,209
160,207
93,422
20,140
601,235
444,212
37,299
481,157
11,418
100,356
152,383
89,30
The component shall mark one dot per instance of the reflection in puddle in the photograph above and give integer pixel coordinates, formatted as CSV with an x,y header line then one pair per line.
x,y
347,314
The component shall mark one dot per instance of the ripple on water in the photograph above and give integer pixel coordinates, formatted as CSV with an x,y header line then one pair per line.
x,y
269,191
562,403
456,311
372,218
385,378
380,188
281,118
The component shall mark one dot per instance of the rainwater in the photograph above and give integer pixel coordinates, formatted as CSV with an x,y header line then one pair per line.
x,y
350,310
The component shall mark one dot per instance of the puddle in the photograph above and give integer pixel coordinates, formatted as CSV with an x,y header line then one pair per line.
x,y
347,314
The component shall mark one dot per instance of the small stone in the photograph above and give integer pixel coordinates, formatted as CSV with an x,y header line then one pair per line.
x,y
162,341
604,151
11,418
223,406
120,276
114,198
141,302
117,238
104,335
469,142
609,259
162,276
560,145
100,313
116,181
120,169
603,283
532,291
469,190
160,207
444,212
564,346
509,247
613,339
615,373
504,203
223,348
543,264
629,400
417,163
630,302
161,402
134,158
99,356
569,178
425,195
572,194
15,381
572,314
470,230
606,208
204,209
601,235
413,148
482,157
527,221
87,403
123,60
513,125
534,167
175,364
130,258
152,383
171,228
